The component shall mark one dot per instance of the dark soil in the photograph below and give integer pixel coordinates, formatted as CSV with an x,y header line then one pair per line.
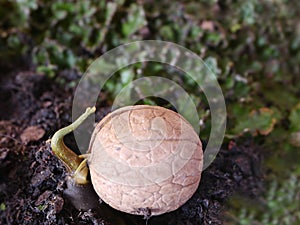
x,y
32,180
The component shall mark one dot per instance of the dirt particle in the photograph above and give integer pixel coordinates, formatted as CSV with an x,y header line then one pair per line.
x,y
43,197
32,133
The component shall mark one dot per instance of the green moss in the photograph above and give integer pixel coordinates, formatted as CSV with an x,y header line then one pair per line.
x,y
279,206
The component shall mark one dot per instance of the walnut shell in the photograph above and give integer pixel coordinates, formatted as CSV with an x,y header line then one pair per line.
x,y
145,159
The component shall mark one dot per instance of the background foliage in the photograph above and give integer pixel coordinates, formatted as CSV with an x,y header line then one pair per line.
x,y
252,46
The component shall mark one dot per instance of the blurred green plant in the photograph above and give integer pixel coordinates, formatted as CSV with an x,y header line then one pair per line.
x,y
261,121
280,206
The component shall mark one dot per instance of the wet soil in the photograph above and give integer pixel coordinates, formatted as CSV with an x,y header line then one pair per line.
x,y
33,181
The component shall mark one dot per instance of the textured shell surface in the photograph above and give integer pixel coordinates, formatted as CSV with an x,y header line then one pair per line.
x,y
145,158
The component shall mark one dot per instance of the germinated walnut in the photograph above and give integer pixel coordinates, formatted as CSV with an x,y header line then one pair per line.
x,y
145,158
